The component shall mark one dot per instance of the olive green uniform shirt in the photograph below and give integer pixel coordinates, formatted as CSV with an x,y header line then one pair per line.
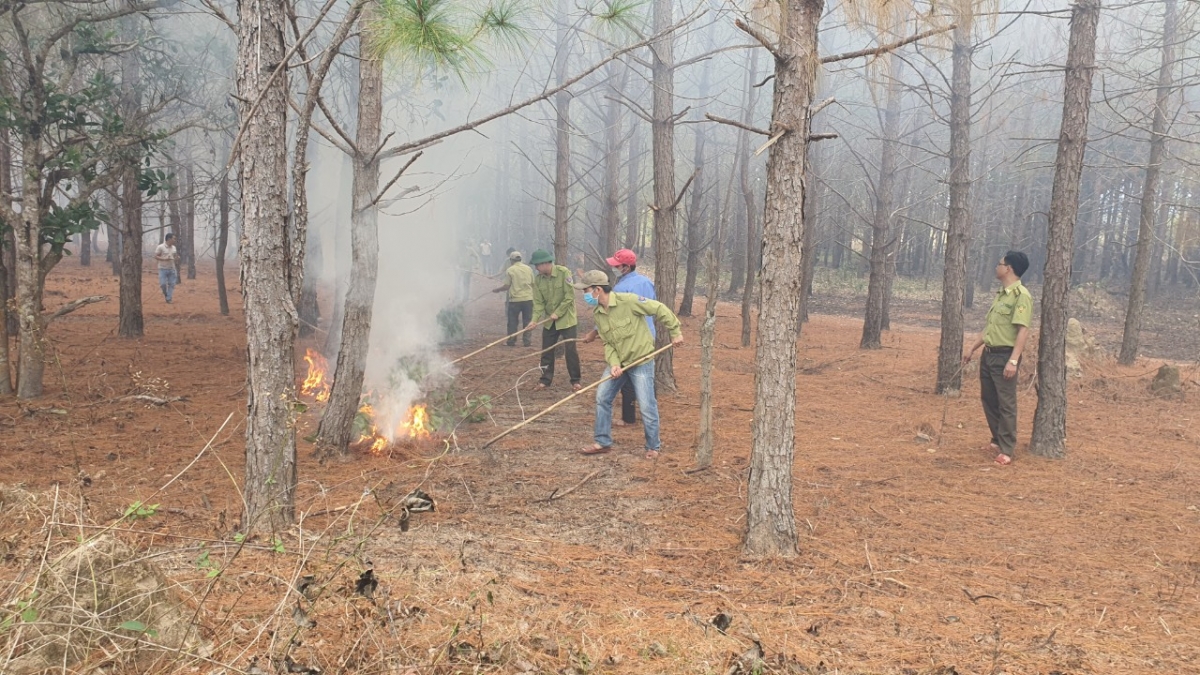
x,y
554,294
520,282
1012,308
622,327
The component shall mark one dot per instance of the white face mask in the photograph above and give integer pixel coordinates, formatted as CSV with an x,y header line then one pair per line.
x,y
617,271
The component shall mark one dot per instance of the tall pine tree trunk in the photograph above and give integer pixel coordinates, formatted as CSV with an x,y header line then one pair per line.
x,y
695,212
770,517
610,211
633,204
337,424
562,140
750,199
881,224
958,224
1050,419
222,241
189,220
666,245
131,323
1159,128
6,263
270,479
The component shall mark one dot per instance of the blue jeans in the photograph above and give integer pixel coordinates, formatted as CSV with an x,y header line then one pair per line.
x,y
166,281
642,378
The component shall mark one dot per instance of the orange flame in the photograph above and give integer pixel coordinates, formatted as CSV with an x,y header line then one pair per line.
x,y
316,382
416,424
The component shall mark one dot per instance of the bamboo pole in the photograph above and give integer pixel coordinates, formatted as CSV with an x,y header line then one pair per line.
x,y
493,344
591,386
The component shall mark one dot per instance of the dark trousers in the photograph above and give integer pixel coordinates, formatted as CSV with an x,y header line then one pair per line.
x,y
999,398
520,313
550,337
628,398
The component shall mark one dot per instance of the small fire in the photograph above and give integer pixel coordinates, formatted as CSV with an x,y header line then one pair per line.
x,y
316,382
416,425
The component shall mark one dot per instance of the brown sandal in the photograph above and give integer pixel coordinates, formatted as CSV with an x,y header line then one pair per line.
x,y
1003,459
651,454
596,449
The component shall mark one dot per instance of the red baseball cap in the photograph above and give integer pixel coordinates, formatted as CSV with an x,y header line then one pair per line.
x,y
623,257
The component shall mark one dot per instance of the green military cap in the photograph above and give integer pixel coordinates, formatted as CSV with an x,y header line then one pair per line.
x,y
592,278
541,256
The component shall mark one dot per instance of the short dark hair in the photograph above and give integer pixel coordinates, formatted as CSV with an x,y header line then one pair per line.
x,y
633,267
170,236
606,288
1019,262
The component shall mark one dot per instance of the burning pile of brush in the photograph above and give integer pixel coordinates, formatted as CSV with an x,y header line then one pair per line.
x,y
375,436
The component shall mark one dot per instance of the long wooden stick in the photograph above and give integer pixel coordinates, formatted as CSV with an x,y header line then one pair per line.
x,y
493,344
593,385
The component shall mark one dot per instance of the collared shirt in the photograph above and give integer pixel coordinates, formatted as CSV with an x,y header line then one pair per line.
x,y
641,286
165,255
520,282
554,294
626,337
1012,308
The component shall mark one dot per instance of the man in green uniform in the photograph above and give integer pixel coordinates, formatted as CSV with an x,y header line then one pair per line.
x,y
621,322
518,304
554,299
1003,340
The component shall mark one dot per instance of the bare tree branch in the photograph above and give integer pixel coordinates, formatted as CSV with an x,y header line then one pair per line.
x,y
762,39
883,49
739,125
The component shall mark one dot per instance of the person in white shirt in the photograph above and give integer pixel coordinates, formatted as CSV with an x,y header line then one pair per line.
x,y
168,276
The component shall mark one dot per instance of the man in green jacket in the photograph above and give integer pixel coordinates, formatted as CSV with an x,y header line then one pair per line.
x,y
1003,341
518,305
621,321
554,299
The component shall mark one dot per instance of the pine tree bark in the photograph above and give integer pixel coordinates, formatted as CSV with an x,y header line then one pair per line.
x,y
695,212
610,211
633,204
6,250
270,478
222,241
562,140
189,220
770,518
130,322
337,424
1159,128
753,259
881,224
666,245
1050,419
958,225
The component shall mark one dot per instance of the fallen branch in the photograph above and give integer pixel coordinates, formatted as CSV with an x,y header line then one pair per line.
x,y
822,137
559,495
977,598
883,49
153,399
597,383
74,305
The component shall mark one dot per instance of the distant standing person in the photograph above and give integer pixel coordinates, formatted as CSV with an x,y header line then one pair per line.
x,y
468,259
485,256
1003,341
629,280
554,298
168,275
627,339
518,305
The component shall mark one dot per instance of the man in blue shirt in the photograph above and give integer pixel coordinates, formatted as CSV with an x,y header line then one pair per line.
x,y
629,280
